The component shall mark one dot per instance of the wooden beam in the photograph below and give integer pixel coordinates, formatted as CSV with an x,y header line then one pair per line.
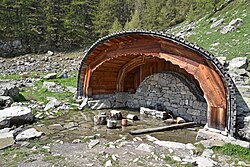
x,y
163,128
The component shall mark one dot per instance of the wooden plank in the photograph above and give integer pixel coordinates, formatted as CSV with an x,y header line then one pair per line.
x,y
163,128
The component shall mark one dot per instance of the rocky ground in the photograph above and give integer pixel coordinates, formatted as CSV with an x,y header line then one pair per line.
x,y
44,127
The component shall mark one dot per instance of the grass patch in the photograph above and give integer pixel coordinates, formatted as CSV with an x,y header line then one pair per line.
x,y
230,45
38,93
10,77
65,81
199,149
235,151
233,44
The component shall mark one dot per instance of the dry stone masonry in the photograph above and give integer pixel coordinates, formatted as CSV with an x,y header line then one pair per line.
x,y
171,92
167,91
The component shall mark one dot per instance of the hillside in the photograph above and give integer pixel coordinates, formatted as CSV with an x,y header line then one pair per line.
x,y
231,44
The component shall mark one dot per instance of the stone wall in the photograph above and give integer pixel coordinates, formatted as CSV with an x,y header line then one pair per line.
x,y
171,92
163,91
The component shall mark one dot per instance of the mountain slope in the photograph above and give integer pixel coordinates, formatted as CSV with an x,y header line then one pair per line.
x,y
231,44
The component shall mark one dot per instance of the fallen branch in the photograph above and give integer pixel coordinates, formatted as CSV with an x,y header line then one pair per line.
x,y
163,128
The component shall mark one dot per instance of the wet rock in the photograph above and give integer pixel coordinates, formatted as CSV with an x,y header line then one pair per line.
x,y
239,63
15,115
5,101
217,23
28,134
6,138
145,147
93,143
50,76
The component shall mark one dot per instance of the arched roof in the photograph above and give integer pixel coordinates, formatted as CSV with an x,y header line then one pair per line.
x,y
188,56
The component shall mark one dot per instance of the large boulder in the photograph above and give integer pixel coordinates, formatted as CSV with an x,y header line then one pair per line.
x,y
238,62
28,134
9,88
15,115
5,101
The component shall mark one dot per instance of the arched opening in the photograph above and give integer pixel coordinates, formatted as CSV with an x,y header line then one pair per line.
x,y
119,64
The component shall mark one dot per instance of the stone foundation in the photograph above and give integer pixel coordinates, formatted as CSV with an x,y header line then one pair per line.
x,y
168,91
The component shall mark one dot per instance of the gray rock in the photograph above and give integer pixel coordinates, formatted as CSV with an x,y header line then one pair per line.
x,y
84,103
5,101
56,127
4,122
9,88
172,145
205,162
217,23
28,134
236,22
17,115
222,60
228,29
145,147
93,143
71,89
52,104
6,138
238,62
207,153
50,53
99,104
64,74
50,76
108,163
53,87
70,125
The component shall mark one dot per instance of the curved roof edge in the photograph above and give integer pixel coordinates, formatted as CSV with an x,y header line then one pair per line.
x,y
231,106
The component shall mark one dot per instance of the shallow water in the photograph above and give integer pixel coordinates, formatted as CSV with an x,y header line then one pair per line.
x,y
86,127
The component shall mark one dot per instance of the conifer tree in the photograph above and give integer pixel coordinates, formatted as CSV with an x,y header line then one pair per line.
x,y
135,22
116,27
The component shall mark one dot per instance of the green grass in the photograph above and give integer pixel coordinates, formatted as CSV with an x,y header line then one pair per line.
x,y
38,93
231,45
234,151
65,81
10,77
